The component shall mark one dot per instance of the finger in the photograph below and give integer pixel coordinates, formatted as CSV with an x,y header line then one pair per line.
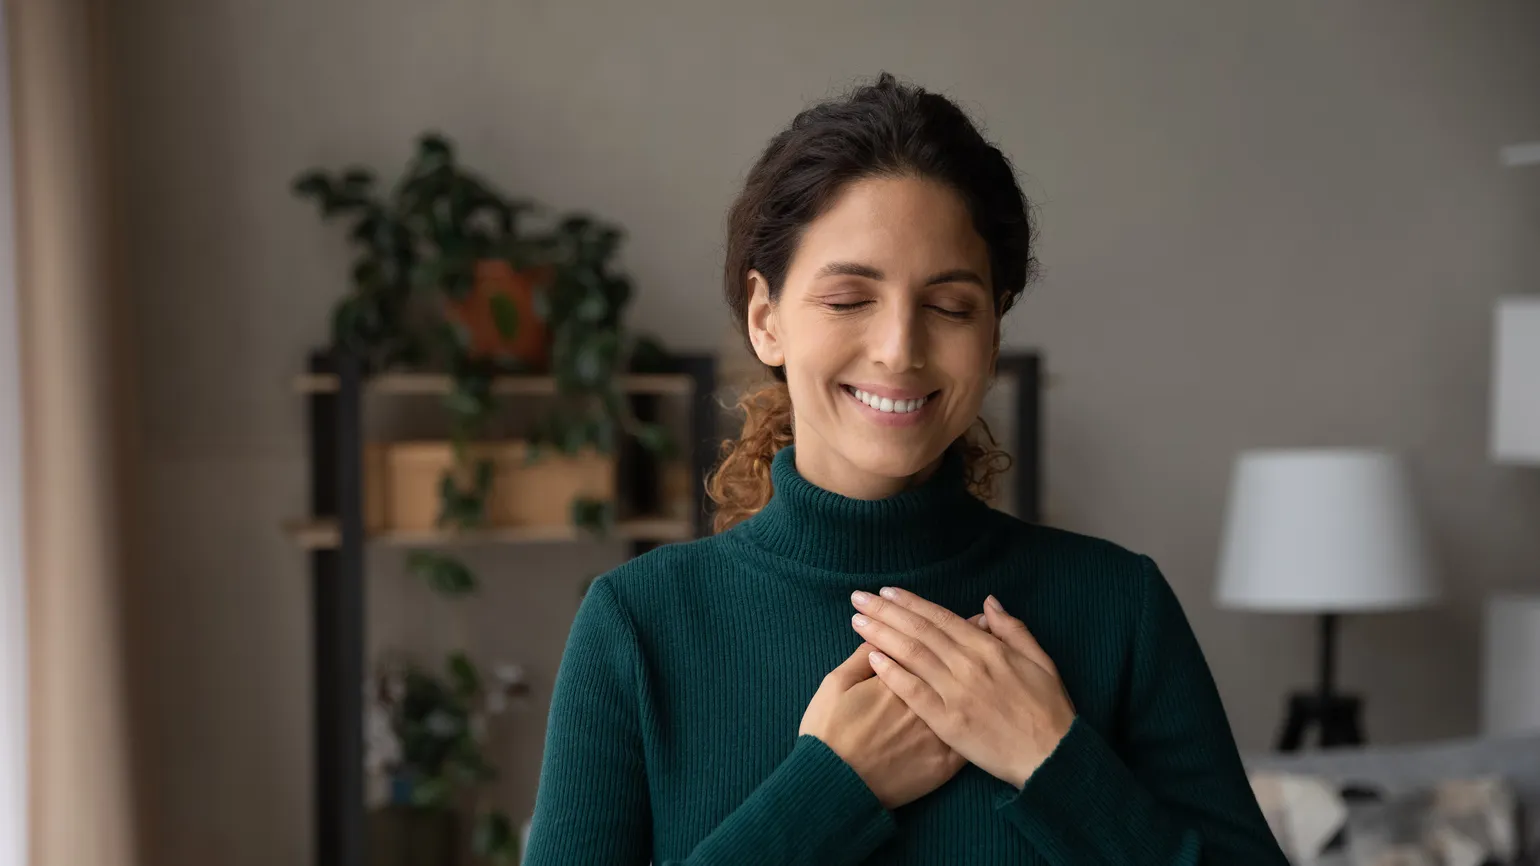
x,y
912,690
1014,634
977,621
906,649
930,623
854,669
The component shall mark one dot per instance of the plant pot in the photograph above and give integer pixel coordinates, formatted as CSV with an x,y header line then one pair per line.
x,y
412,836
401,483
530,343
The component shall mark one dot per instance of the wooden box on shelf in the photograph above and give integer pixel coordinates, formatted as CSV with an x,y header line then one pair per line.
x,y
401,484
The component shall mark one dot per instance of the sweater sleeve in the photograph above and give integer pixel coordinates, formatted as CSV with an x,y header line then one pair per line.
x,y
593,805
1176,793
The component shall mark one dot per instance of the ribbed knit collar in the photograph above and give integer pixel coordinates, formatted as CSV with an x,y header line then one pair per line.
x,y
933,521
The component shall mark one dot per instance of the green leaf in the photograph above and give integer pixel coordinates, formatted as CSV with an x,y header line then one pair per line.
x,y
574,435
367,229
457,281
505,315
619,293
358,179
366,272
313,184
471,395
593,308
485,471
426,274
467,681
655,438
602,434
454,336
347,319
431,793
493,838
575,225
542,304
593,515
445,575
434,148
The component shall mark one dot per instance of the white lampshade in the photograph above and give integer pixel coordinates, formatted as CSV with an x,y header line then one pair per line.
x,y
1516,380
1321,531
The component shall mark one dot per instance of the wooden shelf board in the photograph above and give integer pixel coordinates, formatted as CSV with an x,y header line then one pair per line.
x,y
323,534
406,384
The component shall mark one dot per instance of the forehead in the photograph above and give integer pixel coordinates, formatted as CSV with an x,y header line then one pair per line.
x,y
904,226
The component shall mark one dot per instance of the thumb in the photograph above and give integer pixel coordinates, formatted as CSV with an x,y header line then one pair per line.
x,y
1013,633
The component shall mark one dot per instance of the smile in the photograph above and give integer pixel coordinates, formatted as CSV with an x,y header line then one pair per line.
x,y
888,405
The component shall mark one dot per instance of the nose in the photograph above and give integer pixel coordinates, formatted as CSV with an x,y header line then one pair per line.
x,y
898,339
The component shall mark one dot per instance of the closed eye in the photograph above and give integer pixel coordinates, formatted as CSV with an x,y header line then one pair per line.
x,y
853,305
954,314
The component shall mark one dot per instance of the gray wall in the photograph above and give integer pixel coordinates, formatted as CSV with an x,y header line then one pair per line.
x,y
1264,224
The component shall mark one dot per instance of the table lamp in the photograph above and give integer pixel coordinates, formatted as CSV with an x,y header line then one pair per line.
x,y
1323,531
1510,681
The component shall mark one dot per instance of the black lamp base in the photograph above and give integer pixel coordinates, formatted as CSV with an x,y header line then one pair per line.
x,y
1337,716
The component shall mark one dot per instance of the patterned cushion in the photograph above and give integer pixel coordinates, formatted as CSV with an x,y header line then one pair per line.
x,y
1453,823
1317,822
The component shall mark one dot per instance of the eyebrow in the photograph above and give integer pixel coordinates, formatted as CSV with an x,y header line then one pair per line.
x,y
856,269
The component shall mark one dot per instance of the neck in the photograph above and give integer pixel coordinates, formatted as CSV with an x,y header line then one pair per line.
x,y
930,521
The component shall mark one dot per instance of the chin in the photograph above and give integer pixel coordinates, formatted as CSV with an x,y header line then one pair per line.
x,y
892,459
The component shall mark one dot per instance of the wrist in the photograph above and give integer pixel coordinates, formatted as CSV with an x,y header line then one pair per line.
x,y
1045,747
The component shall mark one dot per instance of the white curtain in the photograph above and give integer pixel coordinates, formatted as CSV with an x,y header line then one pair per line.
x,y
13,598
77,439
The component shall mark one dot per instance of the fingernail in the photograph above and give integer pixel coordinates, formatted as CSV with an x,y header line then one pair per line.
x,y
858,619
859,598
877,658
889,592
994,603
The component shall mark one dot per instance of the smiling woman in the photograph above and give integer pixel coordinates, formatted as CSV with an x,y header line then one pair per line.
x,y
834,678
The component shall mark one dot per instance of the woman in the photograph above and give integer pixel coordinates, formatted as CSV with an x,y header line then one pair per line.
x,y
803,687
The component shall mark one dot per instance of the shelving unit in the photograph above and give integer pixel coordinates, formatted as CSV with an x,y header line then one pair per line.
x,y
326,534
334,536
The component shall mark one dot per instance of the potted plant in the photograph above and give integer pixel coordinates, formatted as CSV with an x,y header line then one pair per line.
x,y
453,275
423,754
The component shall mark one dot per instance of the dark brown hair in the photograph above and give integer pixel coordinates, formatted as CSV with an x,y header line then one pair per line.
x,y
882,129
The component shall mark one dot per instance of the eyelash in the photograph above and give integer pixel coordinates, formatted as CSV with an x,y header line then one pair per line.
x,y
960,315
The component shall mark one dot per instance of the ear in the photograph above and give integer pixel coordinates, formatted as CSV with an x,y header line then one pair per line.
x,y
764,328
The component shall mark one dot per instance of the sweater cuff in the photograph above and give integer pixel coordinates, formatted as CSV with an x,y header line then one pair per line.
x,y
813,808
1082,806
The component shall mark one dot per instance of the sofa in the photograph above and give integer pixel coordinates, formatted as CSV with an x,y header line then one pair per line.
x,y
1400,770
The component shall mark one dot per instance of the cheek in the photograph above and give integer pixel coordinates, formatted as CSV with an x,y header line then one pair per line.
x,y
964,353
820,349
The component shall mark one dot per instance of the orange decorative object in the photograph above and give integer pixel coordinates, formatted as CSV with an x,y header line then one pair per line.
x,y
531,342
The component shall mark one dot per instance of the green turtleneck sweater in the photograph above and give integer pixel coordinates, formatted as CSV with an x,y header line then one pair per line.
x,y
672,734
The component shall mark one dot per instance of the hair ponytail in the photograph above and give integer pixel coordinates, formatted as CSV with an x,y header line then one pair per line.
x,y
740,485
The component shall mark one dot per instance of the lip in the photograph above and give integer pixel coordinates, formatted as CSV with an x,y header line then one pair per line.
x,y
889,392
892,419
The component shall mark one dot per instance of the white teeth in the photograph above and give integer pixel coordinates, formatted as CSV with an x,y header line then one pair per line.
x,y
886,404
